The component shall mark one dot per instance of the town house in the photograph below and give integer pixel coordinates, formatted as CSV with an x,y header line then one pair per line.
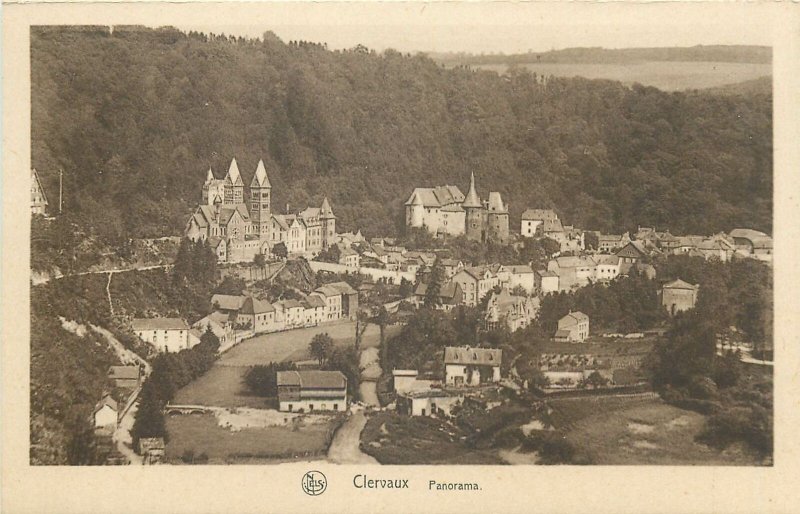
x,y
465,366
475,283
311,390
166,334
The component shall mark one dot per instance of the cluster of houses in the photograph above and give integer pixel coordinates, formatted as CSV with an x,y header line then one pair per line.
x,y
566,371
466,370
237,314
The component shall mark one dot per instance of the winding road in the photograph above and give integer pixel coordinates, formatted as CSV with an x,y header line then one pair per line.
x,y
345,447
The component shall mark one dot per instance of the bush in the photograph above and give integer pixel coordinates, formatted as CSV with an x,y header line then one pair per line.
x,y
751,425
263,380
553,447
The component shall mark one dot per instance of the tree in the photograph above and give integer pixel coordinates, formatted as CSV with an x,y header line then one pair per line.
x,y
320,347
550,247
259,260
382,319
280,251
263,380
590,240
406,288
595,379
435,280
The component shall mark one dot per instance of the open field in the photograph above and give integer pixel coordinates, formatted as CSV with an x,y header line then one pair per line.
x,y
202,434
222,386
395,439
620,431
292,345
668,76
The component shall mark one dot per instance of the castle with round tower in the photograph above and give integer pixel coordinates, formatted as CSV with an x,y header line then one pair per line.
x,y
445,211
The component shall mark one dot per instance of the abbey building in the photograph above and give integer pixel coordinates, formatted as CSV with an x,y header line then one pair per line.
x,y
239,223
445,211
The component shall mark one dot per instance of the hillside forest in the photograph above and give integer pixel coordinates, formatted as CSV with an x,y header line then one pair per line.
x,y
136,116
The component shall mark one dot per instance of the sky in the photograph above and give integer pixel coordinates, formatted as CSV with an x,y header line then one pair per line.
x,y
503,27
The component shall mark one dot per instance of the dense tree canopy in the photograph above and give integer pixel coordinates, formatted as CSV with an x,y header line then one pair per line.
x,y
137,116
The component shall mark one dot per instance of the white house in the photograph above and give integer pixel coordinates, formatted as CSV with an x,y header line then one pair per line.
x,y
105,413
166,334
522,276
573,328
533,219
465,366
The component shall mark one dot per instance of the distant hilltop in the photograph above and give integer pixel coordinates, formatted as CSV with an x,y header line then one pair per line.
x,y
597,55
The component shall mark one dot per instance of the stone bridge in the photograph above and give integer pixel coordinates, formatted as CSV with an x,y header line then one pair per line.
x,y
186,409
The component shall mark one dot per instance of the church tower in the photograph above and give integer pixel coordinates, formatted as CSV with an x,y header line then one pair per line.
x,y
260,202
212,187
474,212
328,221
234,187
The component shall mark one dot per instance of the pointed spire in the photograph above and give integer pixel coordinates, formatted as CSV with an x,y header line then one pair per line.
x,y
260,179
472,199
210,175
325,211
416,200
233,176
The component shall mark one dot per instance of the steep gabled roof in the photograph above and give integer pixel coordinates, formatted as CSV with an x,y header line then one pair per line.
x,y
325,211
467,355
233,176
105,400
254,306
38,183
260,179
281,221
679,284
539,214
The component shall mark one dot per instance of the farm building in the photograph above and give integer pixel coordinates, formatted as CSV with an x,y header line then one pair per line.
x,y
465,366
312,390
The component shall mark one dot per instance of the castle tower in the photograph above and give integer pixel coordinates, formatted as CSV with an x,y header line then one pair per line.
x,y
497,219
474,213
415,211
328,221
234,187
260,202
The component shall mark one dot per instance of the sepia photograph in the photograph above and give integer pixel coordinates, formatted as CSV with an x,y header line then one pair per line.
x,y
267,243
369,257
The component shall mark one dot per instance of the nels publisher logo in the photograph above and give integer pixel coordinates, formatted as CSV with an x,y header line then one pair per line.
x,y
314,483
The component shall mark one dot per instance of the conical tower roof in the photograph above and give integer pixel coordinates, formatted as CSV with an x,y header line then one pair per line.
x,y
210,175
325,211
471,199
415,199
260,179
233,176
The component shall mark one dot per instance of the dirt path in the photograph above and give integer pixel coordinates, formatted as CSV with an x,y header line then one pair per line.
x,y
345,446
122,435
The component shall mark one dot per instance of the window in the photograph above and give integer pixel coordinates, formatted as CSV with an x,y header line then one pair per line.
x,y
310,406
335,406
290,407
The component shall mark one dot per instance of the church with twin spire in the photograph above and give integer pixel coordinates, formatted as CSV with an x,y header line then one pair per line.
x,y
239,223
